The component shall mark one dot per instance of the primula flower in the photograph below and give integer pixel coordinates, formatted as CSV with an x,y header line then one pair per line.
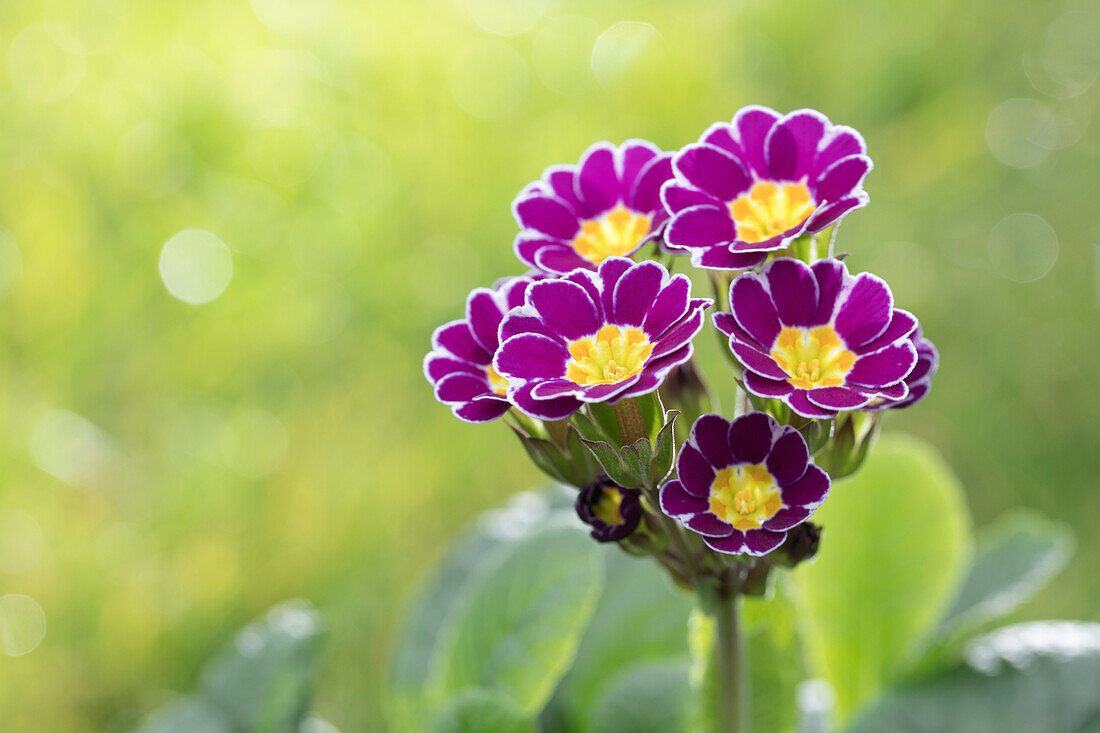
x,y
743,484
606,205
919,380
611,511
818,338
460,364
752,185
597,336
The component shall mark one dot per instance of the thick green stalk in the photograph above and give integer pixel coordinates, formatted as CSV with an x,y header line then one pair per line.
x,y
731,669
629,418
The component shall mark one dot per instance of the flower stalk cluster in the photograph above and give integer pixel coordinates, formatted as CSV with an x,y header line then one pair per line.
x,y
589,357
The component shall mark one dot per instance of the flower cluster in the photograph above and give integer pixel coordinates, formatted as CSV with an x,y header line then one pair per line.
x,y
577,354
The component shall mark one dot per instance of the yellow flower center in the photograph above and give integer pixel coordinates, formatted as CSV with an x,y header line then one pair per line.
x,y
497,383
769,209
813,357
744,496
615,233
607,507
610,356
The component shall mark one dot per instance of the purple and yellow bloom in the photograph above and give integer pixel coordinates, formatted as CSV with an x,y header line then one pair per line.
x,y
919,380
611,511
597,336
460,364
752,185
742,485
818,338
607,205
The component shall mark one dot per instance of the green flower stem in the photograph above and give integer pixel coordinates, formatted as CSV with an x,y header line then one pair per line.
x,y
731,668
558,430
629,418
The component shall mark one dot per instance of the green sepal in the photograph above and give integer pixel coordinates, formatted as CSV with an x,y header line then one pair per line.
x,y
664,449
816,434
571,465
642,464
603,417
653,414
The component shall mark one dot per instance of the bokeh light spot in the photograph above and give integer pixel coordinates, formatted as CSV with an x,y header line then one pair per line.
x,y
292,16
506,17
1070,51
618,47
11,262
45,62
1021,132
21,541
488,79
196,266
22,624
70,447
254,443
561,54
152,160
1023,247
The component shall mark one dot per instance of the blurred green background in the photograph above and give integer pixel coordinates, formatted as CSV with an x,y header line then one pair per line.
x,y
194,431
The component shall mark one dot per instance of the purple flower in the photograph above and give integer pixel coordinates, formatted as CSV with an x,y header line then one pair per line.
x,y
743,484
610,510
752,185
597,336
818,338
607,205
460,364
919,380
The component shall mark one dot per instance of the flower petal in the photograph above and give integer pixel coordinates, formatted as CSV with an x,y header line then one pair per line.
x,y
865,312
762,541
457,338
764,387
700,226
635,292
695,471
675,502
565,307
756,360
798,402
885,366
837,398
710,434
547,214
484,409
531,356
842,179
786,518
788,458
556,409
708,525
809,491
793,288
732,545
669,306
713,170
484,316
750,437
754,310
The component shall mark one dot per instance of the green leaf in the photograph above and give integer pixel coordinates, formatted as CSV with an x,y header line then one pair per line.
x,y
635,458
518,631
418,643
263,680
1016,555
612,463
895,544
603,415
186,716
774,661
646,699
481,711
641,619
1039,676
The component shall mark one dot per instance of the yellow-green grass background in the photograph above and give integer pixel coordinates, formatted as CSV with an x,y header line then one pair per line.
x,y
359,159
